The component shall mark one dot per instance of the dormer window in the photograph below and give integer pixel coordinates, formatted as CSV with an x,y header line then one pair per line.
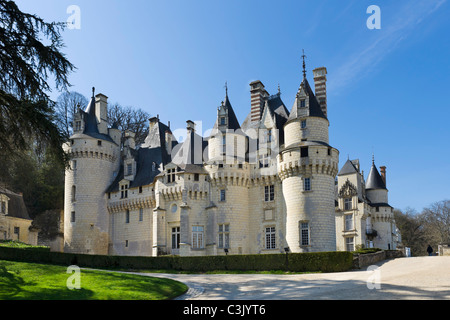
x,y
124,191
77,125
171,175
129,169
303,103
348,204
223,121
303,124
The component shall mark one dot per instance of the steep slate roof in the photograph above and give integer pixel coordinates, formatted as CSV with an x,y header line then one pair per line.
x,y
348,168
152,151
314,107
90,123
232,122
16,205
189,154
374,180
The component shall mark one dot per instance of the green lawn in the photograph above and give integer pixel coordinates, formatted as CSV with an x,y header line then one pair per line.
x,y
31,281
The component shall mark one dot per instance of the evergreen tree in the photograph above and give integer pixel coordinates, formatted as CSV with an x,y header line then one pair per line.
x,y
29,58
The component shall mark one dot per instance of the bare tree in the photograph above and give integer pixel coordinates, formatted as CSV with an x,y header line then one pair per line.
x,y
66,106
437,222
128,118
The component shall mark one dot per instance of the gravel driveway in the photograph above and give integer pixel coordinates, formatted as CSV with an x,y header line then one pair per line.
x,y
403,278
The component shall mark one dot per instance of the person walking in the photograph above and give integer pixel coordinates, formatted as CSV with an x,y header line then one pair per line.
x,y
430,250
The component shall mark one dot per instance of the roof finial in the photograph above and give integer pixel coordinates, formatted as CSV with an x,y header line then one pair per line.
x,y
304,64
226,88
373,159
279,90
93,92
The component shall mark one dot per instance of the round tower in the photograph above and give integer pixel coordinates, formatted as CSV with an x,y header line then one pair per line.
x,y
94,153
307,167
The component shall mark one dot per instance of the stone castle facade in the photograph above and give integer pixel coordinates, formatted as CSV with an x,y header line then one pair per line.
x,y
267,185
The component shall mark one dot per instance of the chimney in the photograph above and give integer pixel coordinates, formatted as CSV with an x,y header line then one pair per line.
x,y
320,82
190,126
101,112
129,139
258,94
168,139
383,174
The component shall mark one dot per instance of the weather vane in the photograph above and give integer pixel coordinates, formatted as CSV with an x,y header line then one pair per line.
x,y
304,64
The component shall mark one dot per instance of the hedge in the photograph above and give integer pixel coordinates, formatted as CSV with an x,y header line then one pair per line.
x,y
295,262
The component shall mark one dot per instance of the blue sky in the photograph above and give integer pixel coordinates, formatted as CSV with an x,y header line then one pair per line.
x,y
387,88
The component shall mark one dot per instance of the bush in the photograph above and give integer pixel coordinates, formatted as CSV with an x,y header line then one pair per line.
x,y
295,262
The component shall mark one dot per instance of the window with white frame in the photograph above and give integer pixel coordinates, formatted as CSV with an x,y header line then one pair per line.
x,y
224,236
350,244
307,184
304,233
348,204
264,159
349,222
197,237
270,238
269,193
176,238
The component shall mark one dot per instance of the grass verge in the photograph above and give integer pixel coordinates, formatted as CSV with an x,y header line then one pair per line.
x,y
32,281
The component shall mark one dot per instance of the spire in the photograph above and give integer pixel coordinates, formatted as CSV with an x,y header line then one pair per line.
x,y
374,180
93,92
226,88
304,64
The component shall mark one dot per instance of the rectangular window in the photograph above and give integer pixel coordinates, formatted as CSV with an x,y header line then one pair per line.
x,y
302,103
348,222
17,231
270,238
347,204
224,236
141,214
304,234
264,159
222,121
72,216
99,143
196,177
176,238
127,216
303,124
171,175
224,144
222,195
197,237
307,184
350,244
304,152
126,243
269,193
77,125
129,169
3,208
124,191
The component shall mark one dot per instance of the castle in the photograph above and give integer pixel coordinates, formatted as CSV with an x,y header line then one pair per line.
x,y
269,185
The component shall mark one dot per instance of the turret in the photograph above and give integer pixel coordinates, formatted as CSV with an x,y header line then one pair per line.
x,y
94,160
307,167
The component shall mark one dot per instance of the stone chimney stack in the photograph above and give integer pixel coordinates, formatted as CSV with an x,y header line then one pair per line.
x,y
190,126
320,82
101,112
258,94
383,174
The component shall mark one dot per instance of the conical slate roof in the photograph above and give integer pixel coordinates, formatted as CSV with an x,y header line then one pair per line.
x,y
374,180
